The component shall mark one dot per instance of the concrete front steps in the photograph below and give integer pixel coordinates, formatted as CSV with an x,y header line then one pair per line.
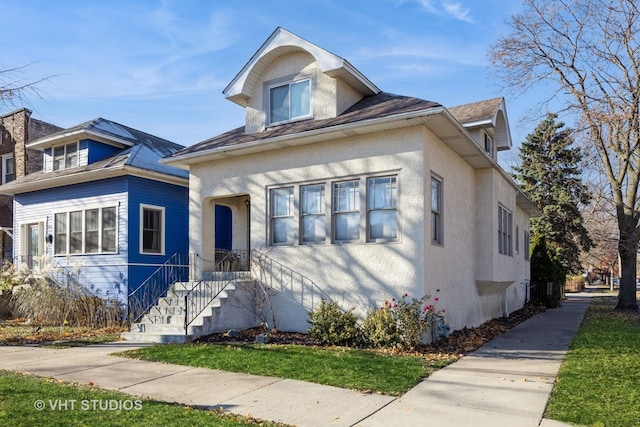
x,y
164,323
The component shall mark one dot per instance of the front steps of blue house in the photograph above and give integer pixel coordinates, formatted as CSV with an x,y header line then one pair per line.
x,y
165,322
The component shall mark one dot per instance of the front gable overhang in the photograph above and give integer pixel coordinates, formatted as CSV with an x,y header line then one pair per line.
x,y
282,42
73,135
44,181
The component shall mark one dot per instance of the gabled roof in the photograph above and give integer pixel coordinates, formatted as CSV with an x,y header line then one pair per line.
x,y
282,42
490,112
139,156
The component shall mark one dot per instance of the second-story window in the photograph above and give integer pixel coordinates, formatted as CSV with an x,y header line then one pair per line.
x,y
65,156
290,101
8,168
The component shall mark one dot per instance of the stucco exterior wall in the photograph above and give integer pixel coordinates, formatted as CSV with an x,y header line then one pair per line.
x,y
359,275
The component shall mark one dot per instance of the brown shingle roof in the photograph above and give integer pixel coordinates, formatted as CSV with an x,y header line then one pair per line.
x,y
372,107
476,111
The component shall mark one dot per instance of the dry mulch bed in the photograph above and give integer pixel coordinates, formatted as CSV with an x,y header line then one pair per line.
x,y
458,344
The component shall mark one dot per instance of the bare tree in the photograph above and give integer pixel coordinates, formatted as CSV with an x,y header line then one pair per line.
x,y
16,85
589,52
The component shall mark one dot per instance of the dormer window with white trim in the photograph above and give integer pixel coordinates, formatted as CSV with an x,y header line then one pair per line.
x,y
65,156
488,144
8,168
290,101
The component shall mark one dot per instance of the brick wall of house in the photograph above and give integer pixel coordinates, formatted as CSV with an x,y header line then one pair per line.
x,y
17,129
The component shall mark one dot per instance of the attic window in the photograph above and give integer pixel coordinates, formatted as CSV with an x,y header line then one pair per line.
x,y
65,156
488,144
290,101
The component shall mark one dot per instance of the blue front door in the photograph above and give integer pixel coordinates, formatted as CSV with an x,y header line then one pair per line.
x,y
223,233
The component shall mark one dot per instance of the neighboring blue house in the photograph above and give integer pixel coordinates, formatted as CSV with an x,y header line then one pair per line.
x,y
103,207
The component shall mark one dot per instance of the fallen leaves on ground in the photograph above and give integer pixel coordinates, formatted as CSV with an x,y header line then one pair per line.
x,y
18,332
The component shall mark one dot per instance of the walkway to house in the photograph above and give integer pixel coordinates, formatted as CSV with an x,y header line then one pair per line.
x,y
506,382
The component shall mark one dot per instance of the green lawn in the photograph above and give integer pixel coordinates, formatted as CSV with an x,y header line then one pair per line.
x,y
337,366
599,382
32,401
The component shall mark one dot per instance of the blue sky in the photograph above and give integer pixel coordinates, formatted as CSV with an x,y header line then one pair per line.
x,y
161,66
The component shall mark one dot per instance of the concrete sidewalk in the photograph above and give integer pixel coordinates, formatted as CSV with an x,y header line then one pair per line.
x,y
504,383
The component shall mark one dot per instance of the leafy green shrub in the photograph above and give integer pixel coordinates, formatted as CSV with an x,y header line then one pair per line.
x,y
332,325
400,324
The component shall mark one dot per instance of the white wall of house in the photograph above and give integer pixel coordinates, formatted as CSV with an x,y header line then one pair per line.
x,y
363,274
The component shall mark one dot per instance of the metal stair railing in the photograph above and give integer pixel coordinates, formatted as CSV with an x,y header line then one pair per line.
x,y
175,269
230,266
294,286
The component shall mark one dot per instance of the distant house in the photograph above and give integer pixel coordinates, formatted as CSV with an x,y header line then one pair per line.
x,y
16,130
102,206
366,194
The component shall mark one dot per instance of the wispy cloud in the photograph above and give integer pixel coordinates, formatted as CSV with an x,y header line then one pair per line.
x,y
455,10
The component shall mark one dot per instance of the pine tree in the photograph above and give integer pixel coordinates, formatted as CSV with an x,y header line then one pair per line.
x,y
549,175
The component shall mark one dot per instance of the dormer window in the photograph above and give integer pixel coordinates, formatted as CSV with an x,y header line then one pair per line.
x,y
290,101
65,156
488,144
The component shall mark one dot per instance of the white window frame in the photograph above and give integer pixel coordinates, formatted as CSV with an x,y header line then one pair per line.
x,y
437,212
5,158
65,159
163,230
336,212
488,144
57,251
527,245
287,82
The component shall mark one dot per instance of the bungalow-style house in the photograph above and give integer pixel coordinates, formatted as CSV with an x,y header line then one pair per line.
x,y
102,207
17,128
347,192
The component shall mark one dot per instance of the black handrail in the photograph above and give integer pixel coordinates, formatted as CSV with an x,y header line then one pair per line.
x,y
230,266
175,269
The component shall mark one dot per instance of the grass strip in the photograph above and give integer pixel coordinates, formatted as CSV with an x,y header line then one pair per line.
x,y
599,381
364,370
27,400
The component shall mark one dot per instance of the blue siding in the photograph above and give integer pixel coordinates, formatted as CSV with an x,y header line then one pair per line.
x,y
175,200
114,274
76,191
98,151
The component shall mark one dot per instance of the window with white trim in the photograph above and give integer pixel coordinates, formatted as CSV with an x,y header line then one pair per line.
x,y
65,156
527,245
85,231
488,144
505,226
290,101
437,219
8,168
382,209
152,230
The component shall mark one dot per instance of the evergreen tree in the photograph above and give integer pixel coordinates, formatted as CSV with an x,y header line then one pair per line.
x,y
549,175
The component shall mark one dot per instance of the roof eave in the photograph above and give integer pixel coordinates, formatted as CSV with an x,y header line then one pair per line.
x,y
75,135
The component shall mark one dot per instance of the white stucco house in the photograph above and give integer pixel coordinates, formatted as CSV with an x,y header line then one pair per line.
x,y
365,194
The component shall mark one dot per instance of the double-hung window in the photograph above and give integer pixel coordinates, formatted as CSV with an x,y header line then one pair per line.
x,y
382,208
65,156
290,101
437,223
85,231
505,225
282,217
346,211
312,213
152,223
